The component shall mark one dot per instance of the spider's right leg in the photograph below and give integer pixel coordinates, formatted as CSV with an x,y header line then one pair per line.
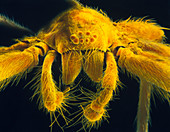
x,y
16,62
52,98
18,46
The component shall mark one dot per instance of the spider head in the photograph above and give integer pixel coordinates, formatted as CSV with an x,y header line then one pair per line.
x,y
81,28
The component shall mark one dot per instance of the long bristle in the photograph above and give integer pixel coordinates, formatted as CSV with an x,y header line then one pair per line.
x,y
10,23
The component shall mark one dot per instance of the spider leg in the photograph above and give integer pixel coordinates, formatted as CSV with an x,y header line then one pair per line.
x,y
151,71
95,111
52,98
18,46
155,71
15,63
143,106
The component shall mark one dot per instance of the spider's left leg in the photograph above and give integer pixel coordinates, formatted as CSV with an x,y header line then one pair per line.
x,y
95,111
151,70
143,106
146,65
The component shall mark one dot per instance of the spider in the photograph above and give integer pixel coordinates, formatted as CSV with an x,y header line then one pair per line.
x,y
86,39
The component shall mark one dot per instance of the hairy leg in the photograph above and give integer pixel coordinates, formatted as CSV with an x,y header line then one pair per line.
x,y
143,106
151,70
15,63
52,98
18,46
94,111
144,66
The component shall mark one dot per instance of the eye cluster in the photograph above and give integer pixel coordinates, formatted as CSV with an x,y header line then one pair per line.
x,y
83,37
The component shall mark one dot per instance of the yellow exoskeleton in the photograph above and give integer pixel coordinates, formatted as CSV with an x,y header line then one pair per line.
x,y
86,39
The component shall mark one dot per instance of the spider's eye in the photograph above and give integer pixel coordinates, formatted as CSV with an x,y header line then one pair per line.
x,y
95,36
74,39
92,39
87,33
80,33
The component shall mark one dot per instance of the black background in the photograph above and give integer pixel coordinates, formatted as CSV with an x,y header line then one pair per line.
x,y
19,114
